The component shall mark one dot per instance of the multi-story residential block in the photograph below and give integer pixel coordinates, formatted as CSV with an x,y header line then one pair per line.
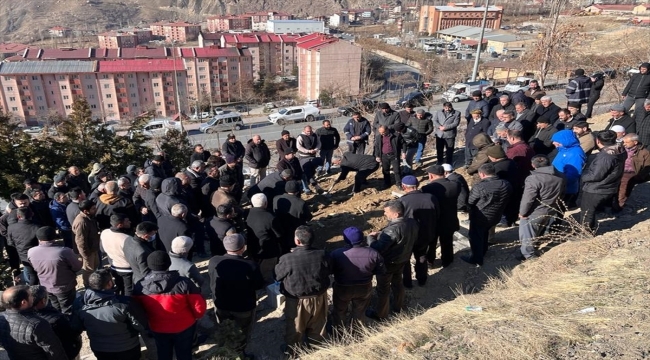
x,y
229,22
338,20
271,54
207,39
125,38
329,64
176,32
119,83
435,18
216,73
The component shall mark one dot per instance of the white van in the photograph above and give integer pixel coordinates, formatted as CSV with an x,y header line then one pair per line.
x,y
225,122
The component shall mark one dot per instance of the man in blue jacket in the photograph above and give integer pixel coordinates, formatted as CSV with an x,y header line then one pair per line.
x,y
570,160
58,212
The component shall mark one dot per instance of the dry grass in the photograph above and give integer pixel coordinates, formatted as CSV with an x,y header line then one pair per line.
x,y
530,313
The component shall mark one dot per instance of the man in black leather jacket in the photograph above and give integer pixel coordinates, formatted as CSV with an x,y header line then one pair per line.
x,y
395,243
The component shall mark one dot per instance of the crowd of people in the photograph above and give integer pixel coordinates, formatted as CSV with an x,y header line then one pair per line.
x,y
134,237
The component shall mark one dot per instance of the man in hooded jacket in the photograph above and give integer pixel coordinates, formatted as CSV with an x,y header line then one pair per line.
x,y
570,160
170,195
637,91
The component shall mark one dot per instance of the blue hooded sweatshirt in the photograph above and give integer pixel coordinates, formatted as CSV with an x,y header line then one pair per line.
x,y
570,159
59,215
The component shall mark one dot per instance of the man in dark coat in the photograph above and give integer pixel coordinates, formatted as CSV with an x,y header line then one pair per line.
x,y
257,156
423,123
291,212
112,203
291,162
174,225
264,236
285,144
233,170
76,178
395,244
548,109
446,193
357,132
138,247
637,91
566,120
504,104
329,139
60,323
233,147
155,168
22,236
620,117
543,190
487,202
23,334
209,185
541,140
476,124
602,178
477,103
364,165
199,154
597,84
389,149
58,185
272,186
579,88
423,208
221,225
385,116
464,187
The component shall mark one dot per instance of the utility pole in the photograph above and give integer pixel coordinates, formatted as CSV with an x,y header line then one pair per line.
x,y
480,42
178,97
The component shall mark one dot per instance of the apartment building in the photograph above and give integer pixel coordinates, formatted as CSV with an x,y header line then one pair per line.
x,y
435,18
31,89
181,32
119,84
272,54
217,73
327,63
229,22
295,26
125,38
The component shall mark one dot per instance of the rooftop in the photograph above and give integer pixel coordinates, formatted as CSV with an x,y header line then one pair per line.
x,y
457,8
47,67
139,65
12,48
208,52
211,35
311,42
615,7
295,21
461,31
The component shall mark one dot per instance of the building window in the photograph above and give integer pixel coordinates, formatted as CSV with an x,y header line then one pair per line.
x,y
130,76
134,104
39,98
107,86
7,78
66,97
156,84
61,77
14,109
9,88
108,96
202,68
91,96
93,106
34,77
156,94
110,106
41,108
38,87
12,98
64,87
132,95
68,107
157,103
131,85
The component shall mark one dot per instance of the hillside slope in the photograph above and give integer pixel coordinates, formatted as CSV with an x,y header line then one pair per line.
x,y
26,20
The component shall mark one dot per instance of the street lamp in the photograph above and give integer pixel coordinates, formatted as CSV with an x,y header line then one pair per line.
x,y
480,41
176,88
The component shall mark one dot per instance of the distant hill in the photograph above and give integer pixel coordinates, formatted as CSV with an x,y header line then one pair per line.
x,y
28,20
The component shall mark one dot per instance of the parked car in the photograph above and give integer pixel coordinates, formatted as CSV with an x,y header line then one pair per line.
x,y
269,105
156,128
294,114
242,108
200,116
366,105
218,111
417,98
33,130
225,122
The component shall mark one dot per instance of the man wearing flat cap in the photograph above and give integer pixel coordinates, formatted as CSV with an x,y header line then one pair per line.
x,y
353,267
385,116
620,117
234,281
304,278
477,103
233,170
541,140
423,208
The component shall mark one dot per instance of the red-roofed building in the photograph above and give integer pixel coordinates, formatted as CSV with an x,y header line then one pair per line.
x,y
176,32
272,54
601,9
60,31
209,38
217,73
229,22
329,64
131,87
11,49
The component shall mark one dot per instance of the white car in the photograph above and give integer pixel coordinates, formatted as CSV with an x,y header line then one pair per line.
x,y
294,114
157,128
218,111
311,102
33,130
202,115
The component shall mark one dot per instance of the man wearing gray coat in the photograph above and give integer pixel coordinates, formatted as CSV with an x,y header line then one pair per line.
x,y
543,188
445,123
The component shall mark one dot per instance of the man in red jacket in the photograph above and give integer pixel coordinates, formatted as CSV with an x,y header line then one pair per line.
x,y
173,304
